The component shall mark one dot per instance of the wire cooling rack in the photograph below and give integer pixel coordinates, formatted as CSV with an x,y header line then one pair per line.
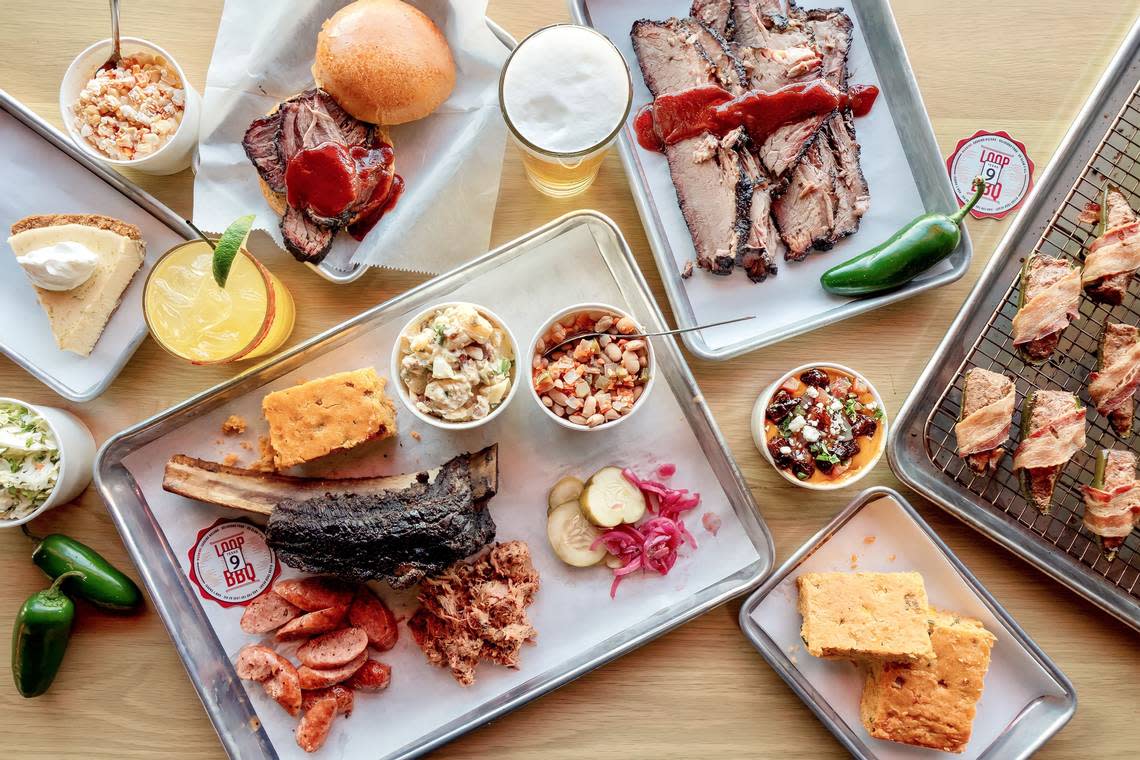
x,y
1116,160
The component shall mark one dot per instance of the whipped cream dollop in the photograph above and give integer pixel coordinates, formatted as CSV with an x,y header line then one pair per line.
x,y
62,266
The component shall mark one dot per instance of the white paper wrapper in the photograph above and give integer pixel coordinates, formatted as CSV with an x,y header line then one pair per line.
x,y
451,160
793,295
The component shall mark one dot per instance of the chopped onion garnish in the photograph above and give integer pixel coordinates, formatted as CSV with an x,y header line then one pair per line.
x,y
666,470
711,521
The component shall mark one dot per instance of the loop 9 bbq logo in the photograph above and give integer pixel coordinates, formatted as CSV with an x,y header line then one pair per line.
x,y
998,159
231,563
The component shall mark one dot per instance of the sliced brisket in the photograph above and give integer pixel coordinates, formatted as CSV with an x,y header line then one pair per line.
x,y
853,197
712,188
306,123
669,60
310,120
805,211
755,21
304,238
260,145
761,245
728,70
716,15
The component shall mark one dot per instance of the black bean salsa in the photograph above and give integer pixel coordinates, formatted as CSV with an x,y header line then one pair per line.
x,y
823,425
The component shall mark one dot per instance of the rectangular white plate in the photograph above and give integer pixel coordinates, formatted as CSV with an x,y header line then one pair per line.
x,y
42,173
900,160
1026,697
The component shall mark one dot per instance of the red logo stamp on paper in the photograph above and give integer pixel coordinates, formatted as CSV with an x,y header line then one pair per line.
x,y
231,563
998,159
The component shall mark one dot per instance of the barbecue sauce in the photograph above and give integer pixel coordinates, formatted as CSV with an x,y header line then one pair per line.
x,y
674,117
861,97
327,178
364,224
321,179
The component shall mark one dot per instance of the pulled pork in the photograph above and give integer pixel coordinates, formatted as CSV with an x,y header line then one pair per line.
x,y
477,611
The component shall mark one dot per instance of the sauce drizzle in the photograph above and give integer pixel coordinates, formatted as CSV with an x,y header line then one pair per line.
x,y
673,117
328,178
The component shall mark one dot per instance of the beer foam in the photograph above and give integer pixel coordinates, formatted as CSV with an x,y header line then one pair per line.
x,y
566,89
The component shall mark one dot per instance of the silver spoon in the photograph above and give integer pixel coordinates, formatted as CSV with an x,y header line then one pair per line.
x,y
116,51
582,336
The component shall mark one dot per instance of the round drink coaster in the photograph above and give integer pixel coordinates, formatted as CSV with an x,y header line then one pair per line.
x,y
1002,162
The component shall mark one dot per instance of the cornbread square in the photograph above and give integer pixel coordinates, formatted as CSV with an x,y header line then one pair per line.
x,y
880,616
932,702
325,415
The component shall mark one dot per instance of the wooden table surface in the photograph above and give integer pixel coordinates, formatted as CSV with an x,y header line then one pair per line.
x,y
702,691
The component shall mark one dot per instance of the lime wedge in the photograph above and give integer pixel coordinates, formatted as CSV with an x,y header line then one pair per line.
x,y
228,246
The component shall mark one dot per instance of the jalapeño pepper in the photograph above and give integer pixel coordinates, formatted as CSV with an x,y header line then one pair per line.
x,y
905,255
98,580
39,638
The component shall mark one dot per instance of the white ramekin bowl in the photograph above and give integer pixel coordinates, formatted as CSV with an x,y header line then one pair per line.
x,y
760,439
442,424
575,309
178,151
76,457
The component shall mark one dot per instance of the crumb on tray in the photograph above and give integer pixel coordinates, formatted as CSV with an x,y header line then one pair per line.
x,y
234,425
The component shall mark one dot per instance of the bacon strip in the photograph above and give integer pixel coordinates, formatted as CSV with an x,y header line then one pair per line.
x,y
1111,387
1112,514
1115,252
986,428
1052,445
1049,311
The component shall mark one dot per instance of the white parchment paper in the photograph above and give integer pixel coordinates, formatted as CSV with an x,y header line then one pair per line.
x,y
794,294
1013,682
572,611
451,160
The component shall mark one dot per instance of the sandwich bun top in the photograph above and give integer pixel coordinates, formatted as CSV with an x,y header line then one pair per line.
x,y
384,62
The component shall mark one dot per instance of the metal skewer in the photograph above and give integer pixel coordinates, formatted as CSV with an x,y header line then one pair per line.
x,y
581,336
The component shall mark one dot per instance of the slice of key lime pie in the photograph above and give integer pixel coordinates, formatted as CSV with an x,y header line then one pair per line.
x,y
79,265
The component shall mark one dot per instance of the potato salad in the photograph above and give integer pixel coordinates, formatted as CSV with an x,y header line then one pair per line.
x,y
457,365
30,465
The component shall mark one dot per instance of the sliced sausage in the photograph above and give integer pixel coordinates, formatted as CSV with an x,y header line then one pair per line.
x,y
372,676
319,678
276,674
369,612
344,698
312,594
331,650
268,612
312,623
316,723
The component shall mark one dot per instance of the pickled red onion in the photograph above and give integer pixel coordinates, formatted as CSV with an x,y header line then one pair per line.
x,y
654,543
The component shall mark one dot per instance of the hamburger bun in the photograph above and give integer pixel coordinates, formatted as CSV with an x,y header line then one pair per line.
x,y
384,62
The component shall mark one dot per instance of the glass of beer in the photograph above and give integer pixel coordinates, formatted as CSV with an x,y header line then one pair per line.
x,y
565,93
193,318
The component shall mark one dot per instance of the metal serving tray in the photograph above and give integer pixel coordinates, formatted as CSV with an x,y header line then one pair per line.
x,y
1026,699
343,276
922,447
900,91
582,241
71,376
